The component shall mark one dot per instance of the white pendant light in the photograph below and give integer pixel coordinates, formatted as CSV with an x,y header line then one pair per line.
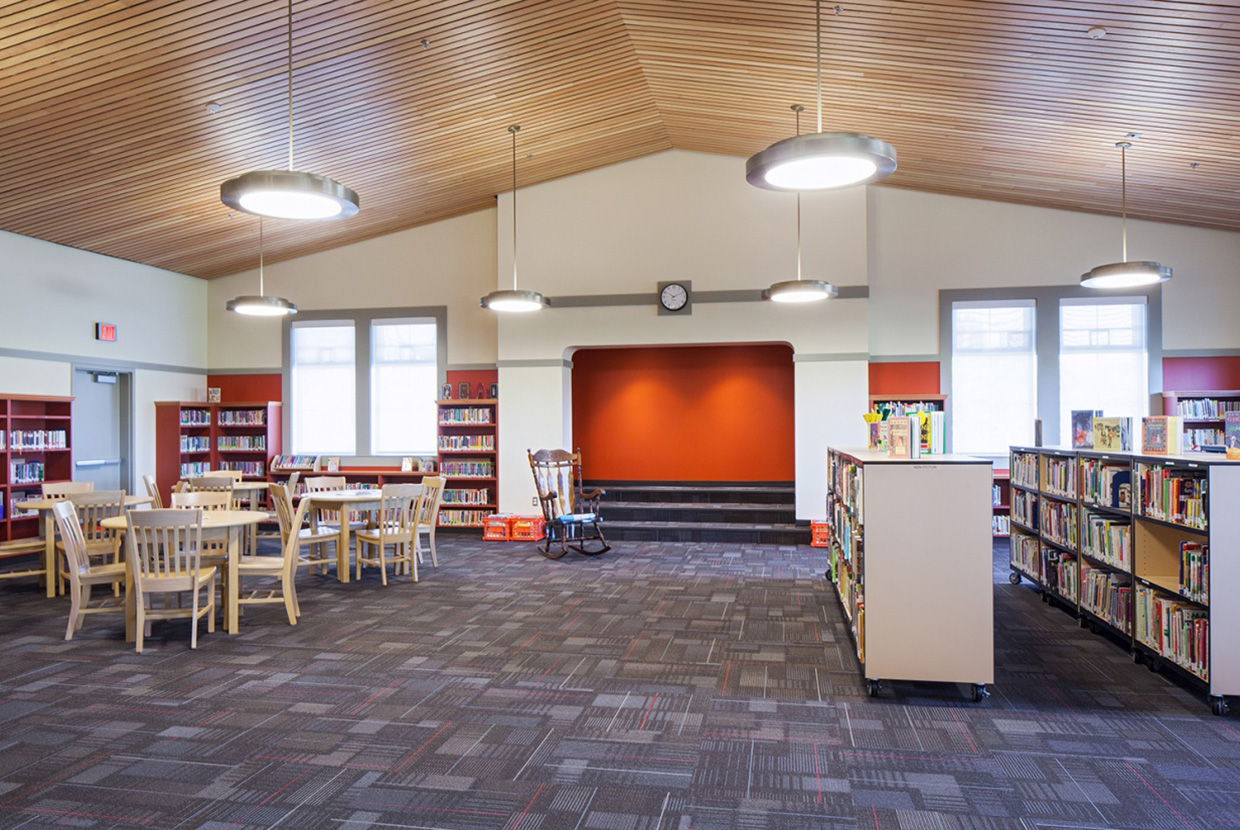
x,y
261,304
821,161
1125,274
514,299
289,194
800,290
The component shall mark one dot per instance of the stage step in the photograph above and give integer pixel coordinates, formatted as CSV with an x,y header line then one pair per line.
x,y
762,514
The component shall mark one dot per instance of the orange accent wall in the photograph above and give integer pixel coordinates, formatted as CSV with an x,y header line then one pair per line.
x,y
904,378
244,388
1200,374
693,413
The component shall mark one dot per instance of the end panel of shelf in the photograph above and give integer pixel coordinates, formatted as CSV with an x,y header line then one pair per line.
x,y
1224,520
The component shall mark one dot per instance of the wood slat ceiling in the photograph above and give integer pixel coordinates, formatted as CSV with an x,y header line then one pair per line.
x,y
106,143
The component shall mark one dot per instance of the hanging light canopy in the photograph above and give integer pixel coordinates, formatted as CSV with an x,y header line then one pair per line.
x,y
261,304
800,290
514,299
1125,274
289,194
821,161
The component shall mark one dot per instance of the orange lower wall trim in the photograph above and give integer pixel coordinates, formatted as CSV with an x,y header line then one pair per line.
x,y
904,378
694,413
245,388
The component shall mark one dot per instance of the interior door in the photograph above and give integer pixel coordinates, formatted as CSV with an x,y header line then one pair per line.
x,y
101,443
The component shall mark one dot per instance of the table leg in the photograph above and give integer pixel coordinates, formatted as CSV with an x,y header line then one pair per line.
x,y
51,570
342,548
231,604
131,607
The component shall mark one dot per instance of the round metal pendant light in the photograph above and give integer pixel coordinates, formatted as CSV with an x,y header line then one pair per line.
x,y
261,304
1125,274
514,299
821,161
289,194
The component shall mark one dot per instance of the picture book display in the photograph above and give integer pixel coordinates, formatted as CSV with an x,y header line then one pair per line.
x,y
1083,428
1160,434
1112,434
899,437
1231,435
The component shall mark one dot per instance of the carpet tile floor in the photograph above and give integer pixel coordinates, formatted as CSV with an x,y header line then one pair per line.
x,y
658,687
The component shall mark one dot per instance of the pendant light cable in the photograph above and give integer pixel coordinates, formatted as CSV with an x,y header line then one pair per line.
x,y
1123,198
1125,274
290,89
513,129
261,288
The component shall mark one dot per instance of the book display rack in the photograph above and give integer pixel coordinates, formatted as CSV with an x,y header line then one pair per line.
x,y
1143,548
1201,414
910,561
36,445
194,437
468,461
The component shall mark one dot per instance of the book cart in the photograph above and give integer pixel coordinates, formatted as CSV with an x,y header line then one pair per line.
x,y
911,562
1151,558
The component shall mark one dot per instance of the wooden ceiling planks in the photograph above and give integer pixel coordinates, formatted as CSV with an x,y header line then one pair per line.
x,y
105,143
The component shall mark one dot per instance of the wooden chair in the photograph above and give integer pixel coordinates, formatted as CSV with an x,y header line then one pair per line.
x,y
282,567
291,522
202,499
397,527
235,475
163,548
428,515
572,517
93,506
214,484
65,489
152,490
331,518
82,575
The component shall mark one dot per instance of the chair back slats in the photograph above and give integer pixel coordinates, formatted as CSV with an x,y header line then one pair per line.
x,y
284,510
319,484
152,490
555,478
164,544
93,507
235,475
74,541
214,484
203,499
64,489
397,508
432,496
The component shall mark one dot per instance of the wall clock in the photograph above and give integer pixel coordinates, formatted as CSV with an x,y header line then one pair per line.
x,y
674,297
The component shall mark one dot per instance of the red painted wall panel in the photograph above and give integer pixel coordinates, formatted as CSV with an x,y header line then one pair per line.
x,y
473,377
247,388
904,378
698,413
1199,374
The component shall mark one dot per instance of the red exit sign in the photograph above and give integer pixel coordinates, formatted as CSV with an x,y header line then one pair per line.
x,y
105,331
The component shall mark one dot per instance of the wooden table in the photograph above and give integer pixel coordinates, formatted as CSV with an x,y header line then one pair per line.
x,y
215,524
44,506
343,500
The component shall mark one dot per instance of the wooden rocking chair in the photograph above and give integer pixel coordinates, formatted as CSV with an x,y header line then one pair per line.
x,y
572,517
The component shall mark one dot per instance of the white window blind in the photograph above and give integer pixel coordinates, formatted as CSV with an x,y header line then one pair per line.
x,y
322,376
403,387
994,376
1103,361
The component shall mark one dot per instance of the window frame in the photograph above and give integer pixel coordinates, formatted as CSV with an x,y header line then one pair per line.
x,y
362,319
1046,300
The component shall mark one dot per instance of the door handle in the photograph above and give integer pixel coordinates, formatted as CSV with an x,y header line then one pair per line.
x,y
97,462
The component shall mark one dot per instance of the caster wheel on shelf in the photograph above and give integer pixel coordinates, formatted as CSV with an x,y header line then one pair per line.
x,y
828,575
1136,657
873,686
1014,578
979,692
1093,628
1154,665
1218,705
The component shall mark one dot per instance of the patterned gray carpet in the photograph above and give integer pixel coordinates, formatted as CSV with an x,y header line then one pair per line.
x,y
659,687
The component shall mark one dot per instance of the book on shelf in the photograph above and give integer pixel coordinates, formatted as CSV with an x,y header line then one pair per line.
x,y
1112,434
331,463
873,423
899,437
1161,434
406,464
1231,434
1083,428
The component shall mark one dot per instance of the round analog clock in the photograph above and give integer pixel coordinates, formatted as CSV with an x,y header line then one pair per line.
x,y
674,296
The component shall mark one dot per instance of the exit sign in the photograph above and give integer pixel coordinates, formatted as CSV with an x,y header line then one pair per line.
x,y
105,331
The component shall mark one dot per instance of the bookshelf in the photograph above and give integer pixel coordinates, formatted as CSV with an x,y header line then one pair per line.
x,y
468,461
194,437
1001,505
1156,559
36,442
1201,414
910,561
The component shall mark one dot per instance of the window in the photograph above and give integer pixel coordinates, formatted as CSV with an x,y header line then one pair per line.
x,y
994,376
403,383
1103,362
323,387
363,382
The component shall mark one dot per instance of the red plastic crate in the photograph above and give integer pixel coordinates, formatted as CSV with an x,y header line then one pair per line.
x,y
528,528
498,527
820,534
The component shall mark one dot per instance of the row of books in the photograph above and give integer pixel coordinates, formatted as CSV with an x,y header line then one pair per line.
x,y
36,439
16,512
462,518
194,469
26,472
1000,525
243,417
1025,509
1108,595
908,436
1205,408
1060,475
1025,469
469,496
250,469
295,462
846,484
1025,554
469,469
1059,521
456,415
896,409
845,531
467,443
1105,484
235,443
1060,573
1177,496
1195,439
1107,540
996,495
195,443
1195,571
1174,629
195,417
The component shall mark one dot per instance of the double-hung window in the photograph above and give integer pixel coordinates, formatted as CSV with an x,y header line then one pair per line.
x,y
323,382
1103,362
994,375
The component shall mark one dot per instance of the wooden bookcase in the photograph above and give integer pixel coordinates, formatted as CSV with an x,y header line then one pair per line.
x,y
193,437
1001,504
468,461
1201,414
911,562
36,441
1137,563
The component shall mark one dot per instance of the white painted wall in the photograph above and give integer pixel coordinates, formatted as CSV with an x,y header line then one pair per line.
x,y
534,413
830,397
449,263
150,386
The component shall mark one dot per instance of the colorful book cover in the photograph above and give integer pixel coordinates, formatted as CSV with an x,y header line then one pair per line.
x,y
1083,428
899,437
1154,435
1231,434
